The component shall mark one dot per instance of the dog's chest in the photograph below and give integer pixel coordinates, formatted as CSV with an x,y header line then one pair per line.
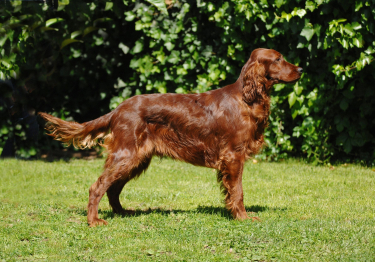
x,y
256,122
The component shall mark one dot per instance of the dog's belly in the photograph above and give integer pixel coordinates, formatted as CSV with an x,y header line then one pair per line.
x,y
185,147
188,154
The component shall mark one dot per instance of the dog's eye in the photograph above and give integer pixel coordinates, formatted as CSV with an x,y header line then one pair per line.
x,y
278,59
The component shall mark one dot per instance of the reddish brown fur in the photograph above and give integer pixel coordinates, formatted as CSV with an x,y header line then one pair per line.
x,y
219,129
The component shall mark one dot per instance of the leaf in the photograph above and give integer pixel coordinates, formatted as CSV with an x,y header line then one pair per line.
x,y
188,38
352,131
214,74
340,127
345,43
5,63
358,41
292,99
207,52
294,113
301,13
288,17
358,5
356,26
344,104
300,99
297,131
35,25
349,30
348,146
181,71
223,75
68,42
191,48
138,47
340,20
179,90
134,63
231,50
310,5
174,58
75,34
101,20
317,29
45,28
53,21
3,40
115,102
279,3
370,50
358,140
307,32
169,46
160,4
4,130
211,7
278,87
341,139
108,6
23,17
124,48
298,89
89,30
160,56
129,16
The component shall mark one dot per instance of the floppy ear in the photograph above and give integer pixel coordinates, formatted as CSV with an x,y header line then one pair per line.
x,y
254,81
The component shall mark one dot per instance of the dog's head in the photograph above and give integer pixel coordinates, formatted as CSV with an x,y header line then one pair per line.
x,y
265,68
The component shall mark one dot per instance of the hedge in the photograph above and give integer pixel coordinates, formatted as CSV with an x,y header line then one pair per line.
x,y
83,59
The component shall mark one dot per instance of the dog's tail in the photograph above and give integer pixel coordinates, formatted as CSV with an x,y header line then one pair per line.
x,y
83,135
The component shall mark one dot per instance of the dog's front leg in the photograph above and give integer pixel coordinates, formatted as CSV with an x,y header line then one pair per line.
x,y
231,179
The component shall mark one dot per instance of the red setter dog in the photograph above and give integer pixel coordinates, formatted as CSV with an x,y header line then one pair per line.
x,y
219,129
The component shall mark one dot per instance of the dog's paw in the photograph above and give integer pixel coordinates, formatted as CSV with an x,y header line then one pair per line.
x,y
97,222
244,216
254,219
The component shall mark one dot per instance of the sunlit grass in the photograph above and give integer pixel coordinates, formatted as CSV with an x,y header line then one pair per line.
x,y
308,213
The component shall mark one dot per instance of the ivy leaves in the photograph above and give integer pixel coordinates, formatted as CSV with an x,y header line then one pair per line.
x,y
123,48
175,52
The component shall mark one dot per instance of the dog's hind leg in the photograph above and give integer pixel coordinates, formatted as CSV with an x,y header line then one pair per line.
x,y
119,169
115,189
116,169
113,194
128,158
96,192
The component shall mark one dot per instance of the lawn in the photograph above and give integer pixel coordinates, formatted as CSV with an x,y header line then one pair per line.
x,y
307,213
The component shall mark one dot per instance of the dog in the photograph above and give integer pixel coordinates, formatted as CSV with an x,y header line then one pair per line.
x,y
219,129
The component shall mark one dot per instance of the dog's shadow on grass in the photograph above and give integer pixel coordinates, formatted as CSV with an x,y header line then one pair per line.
x,y
220,211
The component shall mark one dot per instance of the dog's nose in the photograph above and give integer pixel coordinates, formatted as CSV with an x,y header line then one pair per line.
x,y
300,70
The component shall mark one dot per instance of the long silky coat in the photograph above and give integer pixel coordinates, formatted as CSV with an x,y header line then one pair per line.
x,y
219,129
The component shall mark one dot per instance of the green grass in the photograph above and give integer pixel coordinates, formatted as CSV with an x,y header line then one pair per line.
x,y
308,213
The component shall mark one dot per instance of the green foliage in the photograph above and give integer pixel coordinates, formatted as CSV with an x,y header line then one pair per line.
x,y
65,61
86,56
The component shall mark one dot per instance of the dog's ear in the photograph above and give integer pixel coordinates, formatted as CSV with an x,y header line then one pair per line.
x,y
254,81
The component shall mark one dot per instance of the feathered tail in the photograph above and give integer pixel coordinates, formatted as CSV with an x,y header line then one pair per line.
x,y
83,135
